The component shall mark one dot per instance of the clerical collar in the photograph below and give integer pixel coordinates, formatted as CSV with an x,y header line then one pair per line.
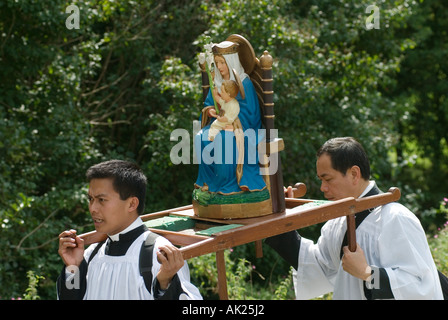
x,y
369,187
137,223
371,190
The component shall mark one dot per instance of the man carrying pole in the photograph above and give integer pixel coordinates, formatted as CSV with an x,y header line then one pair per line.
x,y
391,260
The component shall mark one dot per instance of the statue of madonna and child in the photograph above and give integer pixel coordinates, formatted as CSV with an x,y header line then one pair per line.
x,y
229,182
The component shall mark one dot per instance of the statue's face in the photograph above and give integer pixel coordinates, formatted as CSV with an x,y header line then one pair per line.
x,y
221,65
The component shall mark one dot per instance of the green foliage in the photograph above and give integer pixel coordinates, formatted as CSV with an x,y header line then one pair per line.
x,y
203,274
439,242
423,81
438,245
237,280
242,279
31,291
118,87
283,292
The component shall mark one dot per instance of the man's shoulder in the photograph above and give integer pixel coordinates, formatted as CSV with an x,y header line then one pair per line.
x,y
397,208
397,211
156,239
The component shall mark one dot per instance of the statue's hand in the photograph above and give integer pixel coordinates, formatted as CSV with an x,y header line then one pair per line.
x,y
212,113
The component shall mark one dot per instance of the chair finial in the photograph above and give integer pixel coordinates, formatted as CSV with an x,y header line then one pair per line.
x,y
266,60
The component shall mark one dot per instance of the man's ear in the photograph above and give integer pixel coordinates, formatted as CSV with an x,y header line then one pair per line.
x,y
355,174
133,204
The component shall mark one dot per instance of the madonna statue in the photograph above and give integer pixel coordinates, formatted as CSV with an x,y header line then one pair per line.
x,y
229,180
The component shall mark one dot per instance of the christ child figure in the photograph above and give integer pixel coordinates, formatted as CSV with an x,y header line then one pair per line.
x,y
230,108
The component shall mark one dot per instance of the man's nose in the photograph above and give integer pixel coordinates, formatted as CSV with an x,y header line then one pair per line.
x,y
323,187
93,206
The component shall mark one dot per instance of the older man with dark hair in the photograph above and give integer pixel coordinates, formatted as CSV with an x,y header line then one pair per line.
x,y
392,258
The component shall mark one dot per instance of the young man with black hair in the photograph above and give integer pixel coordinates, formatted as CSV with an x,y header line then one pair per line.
x,y
111,269
392,258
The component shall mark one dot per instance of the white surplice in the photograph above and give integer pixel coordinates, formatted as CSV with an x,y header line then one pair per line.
x,y
118,277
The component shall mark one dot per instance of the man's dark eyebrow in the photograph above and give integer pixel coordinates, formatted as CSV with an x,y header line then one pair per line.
x,y
101,195
322,176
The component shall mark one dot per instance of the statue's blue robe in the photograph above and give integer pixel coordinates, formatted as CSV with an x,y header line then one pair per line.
x,y
221,177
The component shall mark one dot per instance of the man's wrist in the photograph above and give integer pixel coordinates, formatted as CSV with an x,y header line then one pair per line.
x,y
367,274
164,283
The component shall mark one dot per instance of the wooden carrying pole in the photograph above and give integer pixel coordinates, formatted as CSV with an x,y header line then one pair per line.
x,y
294,219
262,227
351,232
366,203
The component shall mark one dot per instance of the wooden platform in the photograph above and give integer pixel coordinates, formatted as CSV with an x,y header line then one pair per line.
x,y
299,213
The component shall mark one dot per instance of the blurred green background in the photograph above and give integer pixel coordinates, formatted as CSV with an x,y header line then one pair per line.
x,y
117,86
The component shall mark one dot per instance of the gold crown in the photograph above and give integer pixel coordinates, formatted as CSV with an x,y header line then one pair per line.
x,y
229,50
